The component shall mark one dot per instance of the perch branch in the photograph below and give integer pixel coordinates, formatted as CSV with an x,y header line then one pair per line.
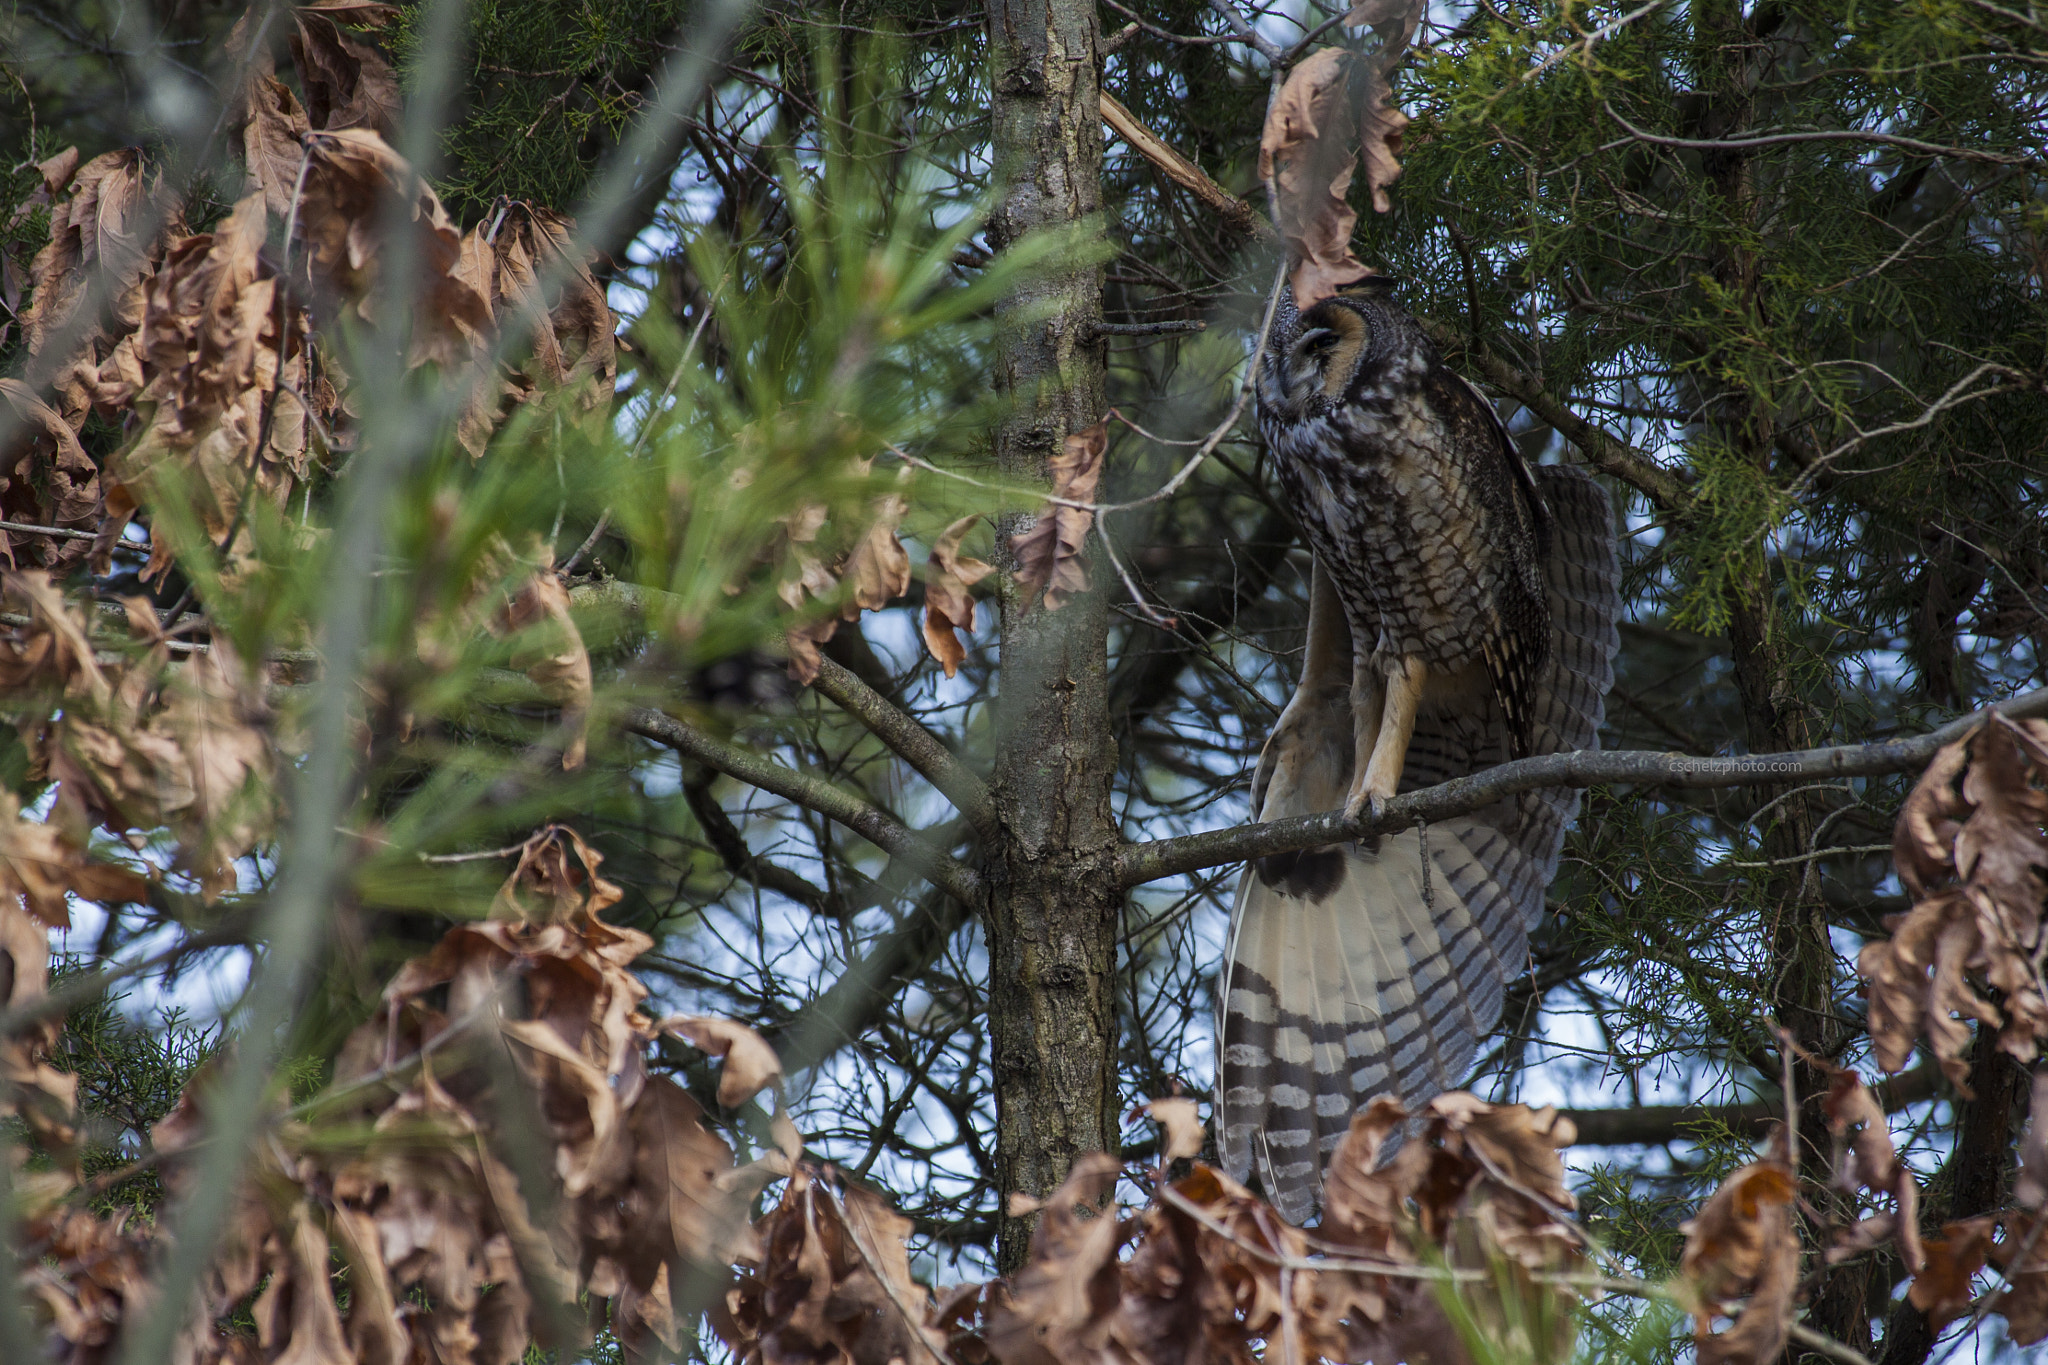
x,y
1659,1123
1241,217
1147,862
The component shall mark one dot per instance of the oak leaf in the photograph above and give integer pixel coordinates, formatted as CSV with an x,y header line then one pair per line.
x,y
1942,1287
1872,1162
1970,849
353,182
1049,556
751,1066
348,83
1741,1242
106,235
1058,1309
551,654
1331,116
46,479
948,607
1180,1128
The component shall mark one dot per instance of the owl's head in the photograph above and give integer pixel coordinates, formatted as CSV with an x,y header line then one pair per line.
x,y
1353,347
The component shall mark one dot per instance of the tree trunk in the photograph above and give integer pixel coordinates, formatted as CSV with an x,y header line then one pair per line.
x,y
1053,895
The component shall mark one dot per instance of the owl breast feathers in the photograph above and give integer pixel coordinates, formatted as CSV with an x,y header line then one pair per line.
x,y
1463,612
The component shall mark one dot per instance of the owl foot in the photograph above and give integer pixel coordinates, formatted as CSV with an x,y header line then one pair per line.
x,y
1366,800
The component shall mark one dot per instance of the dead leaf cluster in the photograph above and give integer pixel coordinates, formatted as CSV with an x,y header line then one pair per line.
x,y
111,222
204,348
1866,1160
948,606
1206,1270
141,739
1331,117
506,1154
2014,1241
825,573
1742,1245
1970,850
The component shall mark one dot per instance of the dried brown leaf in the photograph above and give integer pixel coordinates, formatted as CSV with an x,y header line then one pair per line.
x,y
1049,556
551,654
2030,1187
296,1318
1872,1163
46,479
877,569
1941,1288
575,347
348,83
1970,847
217,347
2021,1255
1180,1128
1742,1243
39,865
788,1141
948,606
376,1335
751,1066
1332,115
272,150
677,1208
98,254
351,175
1058,1309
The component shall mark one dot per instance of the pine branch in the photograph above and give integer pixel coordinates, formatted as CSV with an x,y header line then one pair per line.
x,y
910,741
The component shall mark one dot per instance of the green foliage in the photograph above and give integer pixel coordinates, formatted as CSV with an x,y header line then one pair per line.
x,y
131,1073
549,89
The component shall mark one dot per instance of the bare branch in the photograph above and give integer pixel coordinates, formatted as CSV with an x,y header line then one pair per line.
x,y
1910,144
911,742
1241,217
1139,863
870,822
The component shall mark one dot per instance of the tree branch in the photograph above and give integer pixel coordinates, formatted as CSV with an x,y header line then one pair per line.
x,y
1146,862
911,742
876,826
1659,1123
1605,453
1241,217
741,861
863,994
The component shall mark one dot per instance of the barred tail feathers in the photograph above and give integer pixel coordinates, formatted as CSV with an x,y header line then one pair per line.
x,y
1382,986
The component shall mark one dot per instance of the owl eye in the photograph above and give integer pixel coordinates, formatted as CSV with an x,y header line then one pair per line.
x,y
1316,342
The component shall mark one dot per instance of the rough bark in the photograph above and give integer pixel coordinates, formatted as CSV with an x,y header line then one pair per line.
x,y
1053,889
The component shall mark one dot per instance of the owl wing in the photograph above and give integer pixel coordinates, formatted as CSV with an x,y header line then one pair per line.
x,y
1518,626
1382,977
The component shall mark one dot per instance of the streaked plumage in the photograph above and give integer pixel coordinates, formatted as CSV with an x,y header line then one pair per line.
x,y
1458,593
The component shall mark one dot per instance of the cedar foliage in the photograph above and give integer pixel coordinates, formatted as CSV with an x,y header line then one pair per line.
x,y
1813,369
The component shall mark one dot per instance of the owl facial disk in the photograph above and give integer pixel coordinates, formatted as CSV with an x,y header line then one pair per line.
x,y
1325,356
